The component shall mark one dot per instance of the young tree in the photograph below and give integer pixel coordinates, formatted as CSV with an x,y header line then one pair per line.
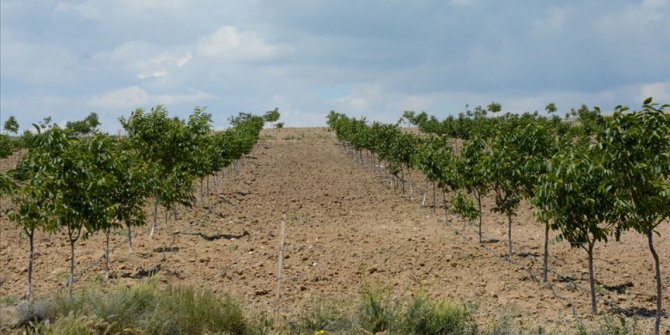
x,y
85,184
84,127
636,148
471,169
11,125
135,183
434,158
505,176
272,116
167,142
7,145
202,145
35,195
572,196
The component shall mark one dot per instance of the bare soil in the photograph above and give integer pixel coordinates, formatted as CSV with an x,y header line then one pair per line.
x,y
346,227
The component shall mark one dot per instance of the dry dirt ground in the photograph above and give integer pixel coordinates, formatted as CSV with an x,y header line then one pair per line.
x,y
347,227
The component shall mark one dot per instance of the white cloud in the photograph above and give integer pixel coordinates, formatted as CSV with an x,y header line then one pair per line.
x,y
143,60
229,43
134,96
659,91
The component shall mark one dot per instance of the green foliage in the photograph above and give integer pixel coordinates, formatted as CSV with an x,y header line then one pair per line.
x,y
572,198
135,179
636,149
84,127
76,325
321,315
147,309
636,153
169,143
6,146
424,316
612,326
272,116
11,125
434,158
465,206
377,312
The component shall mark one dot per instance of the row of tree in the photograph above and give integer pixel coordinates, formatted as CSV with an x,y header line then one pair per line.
x,y
80,181
589,176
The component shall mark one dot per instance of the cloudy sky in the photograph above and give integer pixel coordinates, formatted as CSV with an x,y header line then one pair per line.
x,y
373,58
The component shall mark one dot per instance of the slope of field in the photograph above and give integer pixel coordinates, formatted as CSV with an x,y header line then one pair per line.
x,y
346,227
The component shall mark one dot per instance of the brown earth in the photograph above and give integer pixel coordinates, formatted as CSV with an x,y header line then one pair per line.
x,y
347,227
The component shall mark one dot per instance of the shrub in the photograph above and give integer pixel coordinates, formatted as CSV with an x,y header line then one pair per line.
x,y
425,316
376,311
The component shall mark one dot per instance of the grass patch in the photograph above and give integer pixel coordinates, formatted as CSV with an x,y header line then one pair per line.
x,y
424,316
148,309
142,309
612,326
9,300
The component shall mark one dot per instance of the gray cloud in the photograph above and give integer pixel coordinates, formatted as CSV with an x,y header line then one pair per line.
x,y
374,58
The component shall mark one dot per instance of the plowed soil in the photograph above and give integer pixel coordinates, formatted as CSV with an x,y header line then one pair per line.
x,y
346,226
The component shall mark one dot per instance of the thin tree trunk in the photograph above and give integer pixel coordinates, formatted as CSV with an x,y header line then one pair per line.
x,y
659,284
130,239
167,212
592,280
201,191
402,178
153,224
409,180
479,206
107,253
434,198
208,185
509,234
174,213
545,270
31,253
73,239
446,207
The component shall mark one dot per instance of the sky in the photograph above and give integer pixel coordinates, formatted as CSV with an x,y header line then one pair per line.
x,y
366,58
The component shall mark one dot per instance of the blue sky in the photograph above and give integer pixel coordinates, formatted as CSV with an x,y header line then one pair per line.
x,y
373,58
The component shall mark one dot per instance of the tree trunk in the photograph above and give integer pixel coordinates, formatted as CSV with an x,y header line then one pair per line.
x,y
153,224
130,239
174,213
592,280
31,253
546,252
509,234
659,284
70,282
208,185
434,198
479,204
409,181
201,191
446,207
107,253
402,179
167,212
